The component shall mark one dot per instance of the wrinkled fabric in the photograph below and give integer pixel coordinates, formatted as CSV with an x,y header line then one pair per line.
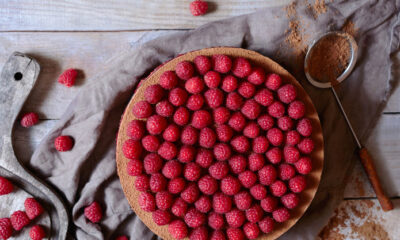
x,y
88,172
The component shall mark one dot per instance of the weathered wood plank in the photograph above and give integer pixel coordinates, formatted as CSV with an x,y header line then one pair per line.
x,y
85,15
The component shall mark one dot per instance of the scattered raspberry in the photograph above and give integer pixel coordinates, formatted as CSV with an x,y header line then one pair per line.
x,y
201,119
150,143
195,102
306,145
191,193
235,234
281,215
178,229
256,162
290,200
243,200
181,116
229,84
278,188
164,200
161,217
266,224
287,93
189,135
247,178
68,77
217,235
240,144
134,167
177,96
304,127
184,70
234,101
167,150
194,85
203,204
269,204
200,233
276,109
257,77
192,171
275,136
265,122
186,154
142,109
258,191
246,89
251,109
168,80
157,182
303,165
136,130
292,138
156,124
296,109
286,171
297,184
204,158
291,154
273,81
216,221
221,203
5,228
208,185
260,144
221,63
285,123
147,202
171,133
37,233
238,164
154,93
274,155
122,238
230,185
251,230
267,175
224,132
179,208
252,130
222,151
93,212
235,218
194,218
218,170
172,169
221,115
198,7
64,143
6,186
254,214
264,97
212,79
207,138
152,163
176,185
29,119
237,121
241,67
202,64
214,98
142,183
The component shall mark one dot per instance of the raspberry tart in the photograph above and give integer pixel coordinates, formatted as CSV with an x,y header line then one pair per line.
x,y
220,143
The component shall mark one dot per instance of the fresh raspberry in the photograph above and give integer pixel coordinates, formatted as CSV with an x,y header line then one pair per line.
x,y
247,89
251,230
273,81
264,97
275,136
29,119
200,233
194,85
37,233
157,182
68,77
204,157
176,185
122,238
194,218
243,200
235,218
256,162
161,217
278,188
134,167
198,7
297,184
221,63
292,138
214,98
150,143
186,154
5,228
276,109
267,175
142,183
286,171
285,123
93,212
192,171
265,122
257,76
254,213
195,102
274,155
65,143
147,202
260,144
167,150
224,132
229,84
172,169
207,138
142,109
247,178
202,64
221,203
306,145
258,191
234,101
131,149
237,121
154,93
164,108
168,80
178,96
269,204
281,215
155,124
287,93
240,144
208,185
266,225
164,200
291,154
222,151
184,70
32,208
217,235
178,229
218,170
296,109
212,79
221,115
179,208
171,133
303,165
189,135
251,109
290,200
181,116
136,129
152,163
237,164
216,221
191,193
304,127
241,67
201,119
6,186
203,204
252,130
230,185
235,234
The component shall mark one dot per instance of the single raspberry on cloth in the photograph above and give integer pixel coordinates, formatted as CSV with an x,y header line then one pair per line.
x,y
29,119
63,143
37,233
93,212
6,186
198,7
19,219
32,208
5,228
68,77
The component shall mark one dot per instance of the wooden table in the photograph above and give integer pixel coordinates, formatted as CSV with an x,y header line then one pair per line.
x,y
84,34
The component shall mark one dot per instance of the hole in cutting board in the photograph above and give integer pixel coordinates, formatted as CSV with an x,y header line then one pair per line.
x,y
18,76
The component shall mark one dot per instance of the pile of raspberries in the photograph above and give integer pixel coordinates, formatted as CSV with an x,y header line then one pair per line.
x,y
219,149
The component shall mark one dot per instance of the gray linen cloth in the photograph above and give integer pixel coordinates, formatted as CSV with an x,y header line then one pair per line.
x,y
88,172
